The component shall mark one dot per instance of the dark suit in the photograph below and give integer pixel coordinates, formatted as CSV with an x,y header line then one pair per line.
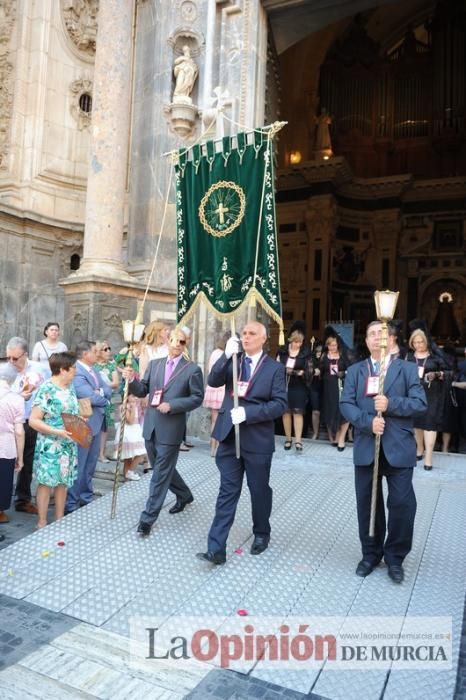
x,y
266,400
163,432
406,400
81,492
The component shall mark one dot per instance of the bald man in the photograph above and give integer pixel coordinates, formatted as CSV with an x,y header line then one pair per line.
x,y
263,398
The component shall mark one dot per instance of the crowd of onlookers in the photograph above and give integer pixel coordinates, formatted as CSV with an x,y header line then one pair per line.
x,y
36,390
316,374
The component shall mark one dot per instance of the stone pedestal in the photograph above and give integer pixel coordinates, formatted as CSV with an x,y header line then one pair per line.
x,y
95,307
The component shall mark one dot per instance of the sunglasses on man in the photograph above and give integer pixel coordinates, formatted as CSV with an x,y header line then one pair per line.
x,y
15,359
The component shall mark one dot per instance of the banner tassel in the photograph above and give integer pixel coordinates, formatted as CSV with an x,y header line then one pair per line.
x,y
281,336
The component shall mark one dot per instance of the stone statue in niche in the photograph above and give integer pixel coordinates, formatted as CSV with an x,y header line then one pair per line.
x,y
323,142
349,264
185,71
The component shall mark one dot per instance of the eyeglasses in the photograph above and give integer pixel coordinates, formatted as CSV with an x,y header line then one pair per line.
x,y
106,349
15,359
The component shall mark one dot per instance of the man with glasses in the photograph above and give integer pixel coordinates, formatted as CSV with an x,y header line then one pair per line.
x,y
174,385
88,384
30,377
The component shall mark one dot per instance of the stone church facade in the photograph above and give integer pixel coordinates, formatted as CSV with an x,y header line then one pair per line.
x,y
88,114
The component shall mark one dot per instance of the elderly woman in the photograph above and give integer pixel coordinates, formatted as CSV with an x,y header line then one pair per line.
x,y
107,368
298,366
44,348
56,454
12,419
154,344
432,368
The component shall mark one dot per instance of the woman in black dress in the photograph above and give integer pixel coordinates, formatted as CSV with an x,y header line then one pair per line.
x,y
433,370
298,364
333,366
316,392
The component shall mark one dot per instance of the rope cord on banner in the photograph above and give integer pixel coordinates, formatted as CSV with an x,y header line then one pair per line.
x,y
259,224
162,225
165,209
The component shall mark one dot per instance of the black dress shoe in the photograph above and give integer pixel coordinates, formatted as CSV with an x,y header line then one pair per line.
x,y
212,558
364,568
428,467
180,505
396,573
260,544
143,529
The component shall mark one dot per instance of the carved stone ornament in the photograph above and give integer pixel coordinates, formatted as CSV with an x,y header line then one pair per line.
x,y
80,320
7,19
82,86
80,18
188,10
113,321
182,119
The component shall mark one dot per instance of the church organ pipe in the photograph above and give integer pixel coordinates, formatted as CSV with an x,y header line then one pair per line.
x,y
413,95
449,50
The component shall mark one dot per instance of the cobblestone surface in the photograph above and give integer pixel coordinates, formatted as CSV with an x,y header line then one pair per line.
x,y
460,690
228,685
25,627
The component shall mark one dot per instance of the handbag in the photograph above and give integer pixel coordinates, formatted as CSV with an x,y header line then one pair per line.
x,y
79,429
85,408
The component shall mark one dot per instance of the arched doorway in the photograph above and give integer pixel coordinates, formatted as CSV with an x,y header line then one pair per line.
x,y
387,208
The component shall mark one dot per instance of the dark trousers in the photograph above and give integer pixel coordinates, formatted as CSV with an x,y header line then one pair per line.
x,y
257,469
163,459
395,541
7,471
81,492
23,482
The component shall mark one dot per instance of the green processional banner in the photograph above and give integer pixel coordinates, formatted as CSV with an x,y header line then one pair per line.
x,y
227,243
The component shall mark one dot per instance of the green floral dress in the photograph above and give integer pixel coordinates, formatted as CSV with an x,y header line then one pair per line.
x,y
106,370
55,458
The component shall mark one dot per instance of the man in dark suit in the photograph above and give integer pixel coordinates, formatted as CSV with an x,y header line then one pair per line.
x,y
88,384
175,386
263,398
402,400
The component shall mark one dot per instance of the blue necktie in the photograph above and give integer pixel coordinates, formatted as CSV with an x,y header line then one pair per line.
x,y
376,368
246,369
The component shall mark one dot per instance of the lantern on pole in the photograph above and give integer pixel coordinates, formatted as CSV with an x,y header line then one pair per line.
x,y
132,333
385,305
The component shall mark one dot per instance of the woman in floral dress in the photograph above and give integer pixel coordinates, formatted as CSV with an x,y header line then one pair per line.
x,y
56,454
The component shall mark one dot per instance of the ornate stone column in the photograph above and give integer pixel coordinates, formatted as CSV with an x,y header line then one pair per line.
x,y
106,188
101,293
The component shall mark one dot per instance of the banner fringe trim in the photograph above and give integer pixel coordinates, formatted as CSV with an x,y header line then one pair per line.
x,y
252,297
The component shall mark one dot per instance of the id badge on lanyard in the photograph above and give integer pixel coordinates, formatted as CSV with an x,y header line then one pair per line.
x,y
333,369
157,398
290,363
242,389
420,371
372,385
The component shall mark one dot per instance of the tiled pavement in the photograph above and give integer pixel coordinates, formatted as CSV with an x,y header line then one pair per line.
x,y
64,609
